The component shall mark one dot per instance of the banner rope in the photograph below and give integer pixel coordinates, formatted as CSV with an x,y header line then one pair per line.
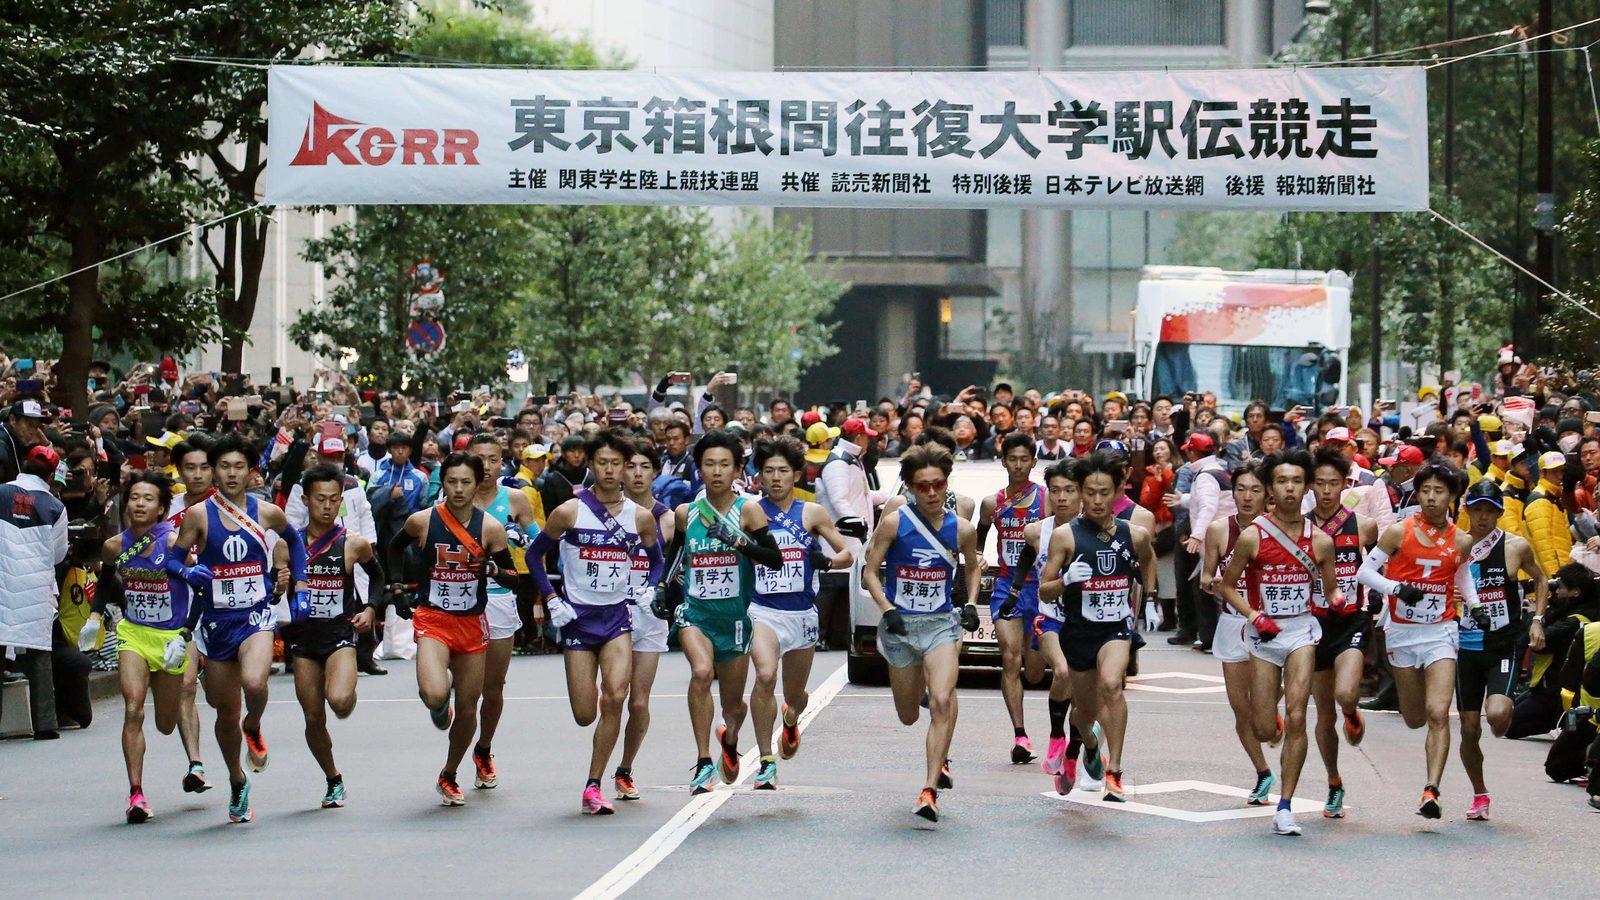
x,y
1514,264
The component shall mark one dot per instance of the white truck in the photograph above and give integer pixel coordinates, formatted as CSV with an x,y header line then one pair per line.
x,y
1279,335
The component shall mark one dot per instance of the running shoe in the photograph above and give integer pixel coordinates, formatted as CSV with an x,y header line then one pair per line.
x,y
1262,795
945,781
928,805
1334,808
1283,823
700,782
1114,793
195,781
239,810
1354,728
728,764
449,792
1479,811
138,808
1429,808
1055,756
483,765
789,737
334,798
256,745
1277,734
1594,800
626,789
767,775
1022,751
1094,762
595,803
1067,777
442,716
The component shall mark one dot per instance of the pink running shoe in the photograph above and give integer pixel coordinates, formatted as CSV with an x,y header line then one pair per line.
x,y
138,808
1022,751
1067,777
595,803
1055,755
1479,812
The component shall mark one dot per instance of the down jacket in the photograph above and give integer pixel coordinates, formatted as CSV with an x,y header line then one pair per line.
x,y
33,535
1547,528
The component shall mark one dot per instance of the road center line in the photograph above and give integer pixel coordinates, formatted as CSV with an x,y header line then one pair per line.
x,y
683,823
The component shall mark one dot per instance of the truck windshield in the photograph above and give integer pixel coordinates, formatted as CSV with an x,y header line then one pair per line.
x,y
1236,374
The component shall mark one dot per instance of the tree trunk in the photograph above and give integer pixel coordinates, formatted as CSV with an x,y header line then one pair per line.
x,y
239,311
83,306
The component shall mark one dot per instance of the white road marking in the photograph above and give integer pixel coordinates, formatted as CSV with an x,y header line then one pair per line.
x,y
668,837
1095,799
1213,684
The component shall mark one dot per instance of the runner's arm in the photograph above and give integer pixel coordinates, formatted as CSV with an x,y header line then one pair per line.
x,y
1061,546
366,556
1371,572
1211,555
1541,588
822,527
1145,548
985,520
1466,584
1244,553
967,540
1028,555
1322,545
877,549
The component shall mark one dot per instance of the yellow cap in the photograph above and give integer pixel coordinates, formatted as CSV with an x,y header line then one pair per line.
x,y
1490,423
1425,390
1554,459
1117,395
820,433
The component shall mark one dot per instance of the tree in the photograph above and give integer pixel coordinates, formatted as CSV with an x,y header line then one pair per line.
x,y
1570,328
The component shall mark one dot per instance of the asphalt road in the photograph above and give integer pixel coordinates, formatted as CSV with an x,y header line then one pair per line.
x,y
840,825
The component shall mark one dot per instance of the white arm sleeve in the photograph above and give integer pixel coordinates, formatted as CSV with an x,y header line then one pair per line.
x,y
1467,585
1371,573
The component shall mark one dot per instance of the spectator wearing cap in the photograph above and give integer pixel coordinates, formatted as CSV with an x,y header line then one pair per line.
x,y
33,531
819,446
1371,500
1201,493
158,457
355,513
1398,470
1115,407
1546,523
24,427
1497,469
843,493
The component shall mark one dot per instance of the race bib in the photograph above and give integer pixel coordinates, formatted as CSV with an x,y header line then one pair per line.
x,y
1284,591
603,569
1105,598
1495,604
1011,550
919,589
714,576
453,590
639,579
1433,608
238,585
147,601
327,596
790,578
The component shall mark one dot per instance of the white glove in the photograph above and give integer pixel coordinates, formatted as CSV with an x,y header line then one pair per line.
x,y
561,612
89,633
177,650
1077,573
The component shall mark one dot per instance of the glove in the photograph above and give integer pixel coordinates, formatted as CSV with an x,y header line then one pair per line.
x,y
88,634
1265,627
969,617
1077,573
176,651
299,606
853,527
721,532
820,560
197,576
515,536
893,622
1410,594
661,606
1009,605
1480,616
560,611
400,600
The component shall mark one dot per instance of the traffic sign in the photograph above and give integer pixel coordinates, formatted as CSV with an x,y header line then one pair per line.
x,y
425,336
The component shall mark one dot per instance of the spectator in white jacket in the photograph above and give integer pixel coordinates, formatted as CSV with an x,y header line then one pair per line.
x,y
1365,493
33,531
843,492
1210,495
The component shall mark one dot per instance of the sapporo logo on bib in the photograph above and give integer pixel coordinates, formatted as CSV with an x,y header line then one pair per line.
x,y
919,588
603,569
1492,594
147,596
453,580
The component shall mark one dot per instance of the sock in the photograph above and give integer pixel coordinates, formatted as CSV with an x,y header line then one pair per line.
x,y
336,780
1058,717
1263,774
624,772
1432,787
1484,795
1283,804
1020,732
480,750
768,757
448,775
592,783
1335,782
135,789
1075,743
703,761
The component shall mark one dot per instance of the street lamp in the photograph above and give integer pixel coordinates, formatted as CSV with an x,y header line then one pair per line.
x,y
1318,7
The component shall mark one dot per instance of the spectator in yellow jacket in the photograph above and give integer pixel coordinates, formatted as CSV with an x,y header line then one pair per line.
x,y
1499,471
1546,520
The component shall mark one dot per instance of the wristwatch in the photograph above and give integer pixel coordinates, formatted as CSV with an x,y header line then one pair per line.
x,y
1538,619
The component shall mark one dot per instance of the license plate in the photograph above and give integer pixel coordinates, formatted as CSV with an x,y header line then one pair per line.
x,y
985,633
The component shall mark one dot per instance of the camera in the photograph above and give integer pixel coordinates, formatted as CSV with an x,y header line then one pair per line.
x,y
1576,716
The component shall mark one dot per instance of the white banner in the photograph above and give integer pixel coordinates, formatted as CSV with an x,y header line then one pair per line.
x,y
1288,138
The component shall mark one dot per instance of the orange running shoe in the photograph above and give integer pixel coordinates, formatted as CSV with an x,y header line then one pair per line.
x,y
256,747
1114,793
928,805
449,793
626,789
789,737
483,762
728,765
1277,734
1354,728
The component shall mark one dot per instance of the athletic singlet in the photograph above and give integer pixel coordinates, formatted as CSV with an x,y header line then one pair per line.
x,y
1011,516
1107,597
1280,585
150,596
640,590
715,572
794,586
1433,569
455,581
918,577
1243,584
1346,563
1047,527
500,509
1501,597
331,588
240,562
596,562
1123,508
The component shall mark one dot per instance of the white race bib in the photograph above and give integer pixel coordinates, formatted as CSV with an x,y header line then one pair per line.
x,y
714,575
1430,610
327,596
919,589
602,569
1105,598
1284,591
147,602
790,578
238,585
453,591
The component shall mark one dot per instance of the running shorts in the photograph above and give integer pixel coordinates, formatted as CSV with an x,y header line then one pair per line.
x,y
1481,673
149,644
1043,624
1419,646
1294,632
726,624
796,628
1229,644
649,632
466,635
596,626
318,639
1081,643
220,637
925,633
1027,600
1341,632
501,612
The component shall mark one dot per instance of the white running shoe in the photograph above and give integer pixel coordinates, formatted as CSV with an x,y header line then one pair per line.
x,y
1283,823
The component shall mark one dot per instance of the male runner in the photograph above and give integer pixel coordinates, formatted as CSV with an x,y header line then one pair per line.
x,y
720,536
919,635
1281,555
649,630
194,466
235,533
1423,557
453,549
1099,557
509,507
598,532
145,575
1336,682
1487,662
324,645
1015,601
783,607
1230,647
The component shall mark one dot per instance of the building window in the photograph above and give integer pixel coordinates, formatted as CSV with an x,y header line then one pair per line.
x,y
1005,21
1146,23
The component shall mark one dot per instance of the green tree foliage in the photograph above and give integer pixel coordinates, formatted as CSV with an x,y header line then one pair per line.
x,y
1572,330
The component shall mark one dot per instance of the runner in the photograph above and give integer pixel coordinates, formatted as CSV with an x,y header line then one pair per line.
x,y
920,633
1336,682
146,576
453,549
1424,554
1487,662
1097,602
649,630
324,645
509,507
1013,606
1281,555
721,536
195,467
783,608
1229,646
598,532
236,536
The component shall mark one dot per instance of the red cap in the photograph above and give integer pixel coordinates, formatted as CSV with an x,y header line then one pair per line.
x,y
810,418
1337,436
853,427
1407,455
169,369
44,455
1362,461
461,441
1199,441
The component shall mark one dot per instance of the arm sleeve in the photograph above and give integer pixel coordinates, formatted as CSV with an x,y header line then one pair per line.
x,y
657,563
108,592
1467,585
1025,561
505,568
1371,573
659,395
537,551
762,548
375,580
193,621
297,554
